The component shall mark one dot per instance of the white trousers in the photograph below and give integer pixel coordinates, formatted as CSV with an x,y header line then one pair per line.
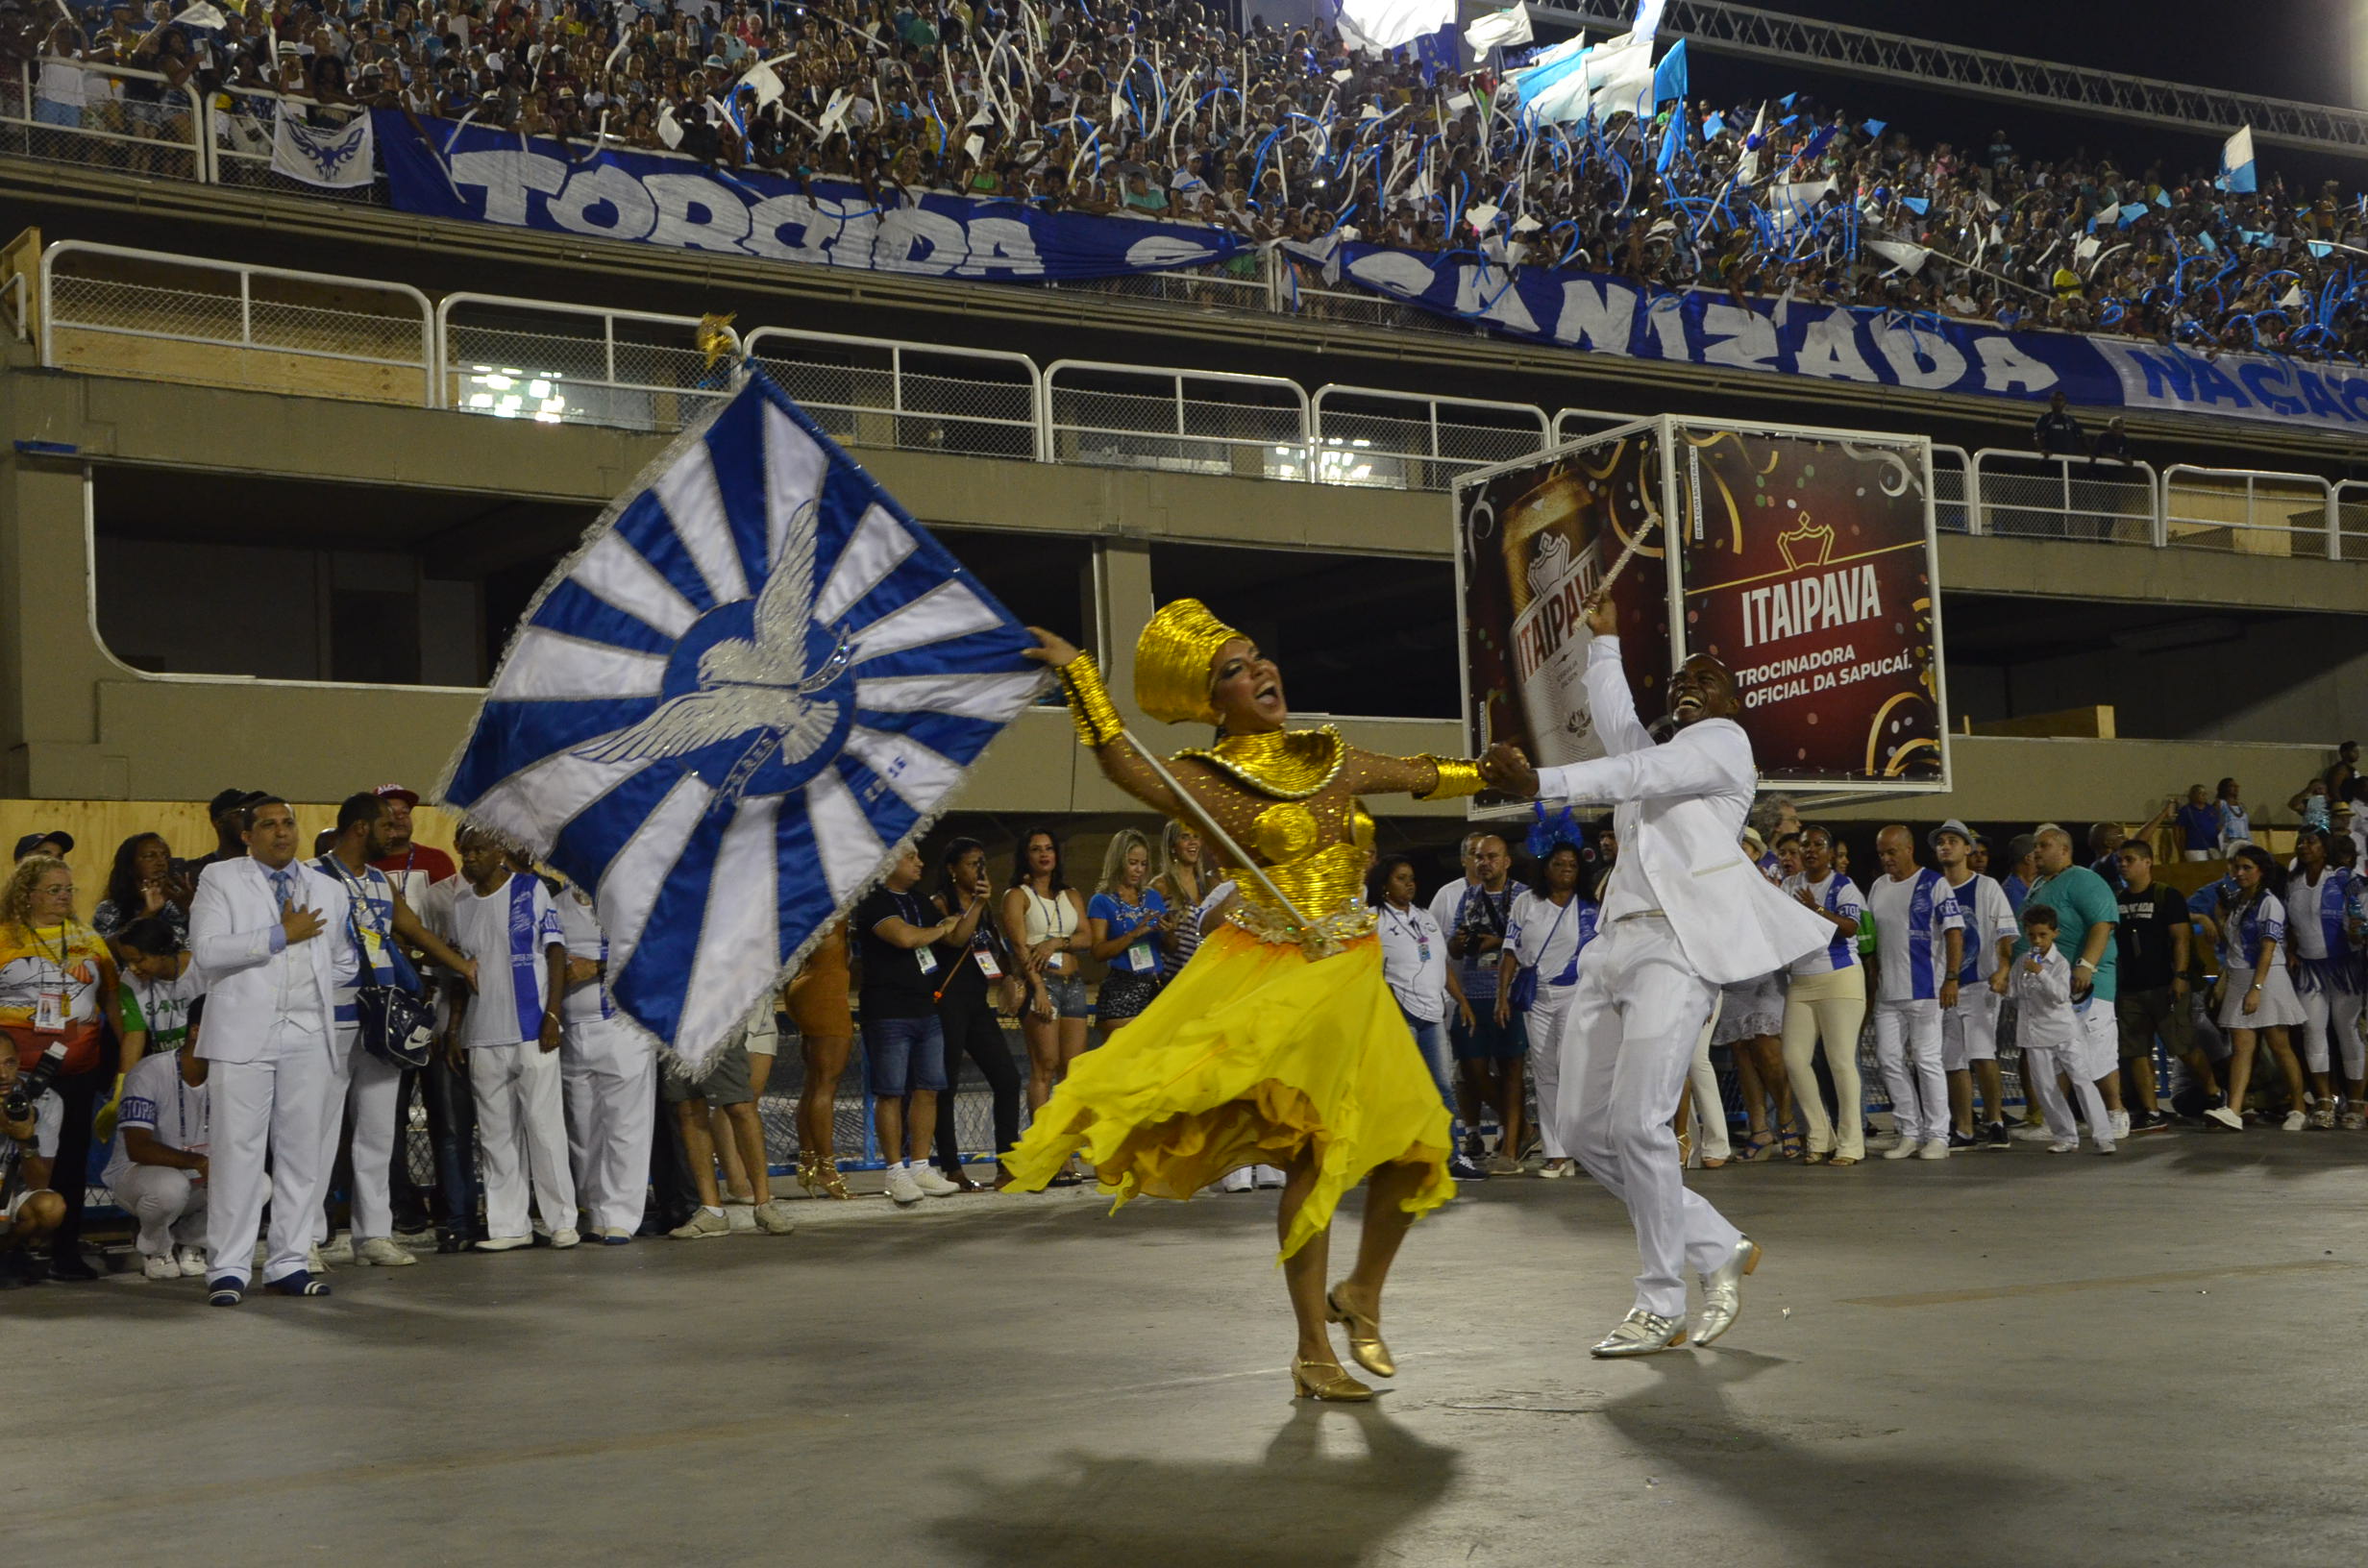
x,y
2042,1066
519,1104
170,1205
1710,1107
1970,1030
1832,1008
1908,1050
371,1089
2331,1024
275,1103
1546,1061
608,1079
1626,1046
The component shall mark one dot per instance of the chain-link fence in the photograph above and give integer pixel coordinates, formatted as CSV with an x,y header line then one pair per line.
x,y
561,365
129,314
876,394
1237,285
2245,512
1413,443
2026,496
136,122
242,126
1251,426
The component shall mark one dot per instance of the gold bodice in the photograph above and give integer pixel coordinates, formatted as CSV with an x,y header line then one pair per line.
x,y
1282,798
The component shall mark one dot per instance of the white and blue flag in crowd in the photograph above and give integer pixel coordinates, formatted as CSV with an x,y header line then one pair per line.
x,y
2236,170
728,711
334,159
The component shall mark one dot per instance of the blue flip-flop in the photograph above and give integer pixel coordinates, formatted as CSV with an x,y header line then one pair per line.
x,y
227,1291
299,1284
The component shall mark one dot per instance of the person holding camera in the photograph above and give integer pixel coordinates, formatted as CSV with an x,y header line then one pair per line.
x,y
31,1114
159,1168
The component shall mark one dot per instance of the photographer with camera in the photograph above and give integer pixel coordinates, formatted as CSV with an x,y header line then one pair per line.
x,y
159,1168
59,999
29,1117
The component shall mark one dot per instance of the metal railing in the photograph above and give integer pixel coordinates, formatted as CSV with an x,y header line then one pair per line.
x,y
71,112
1406,441
1952,489
2350,511
1186,421
2248,512
129,312
870,392
239,127
2023,495
572,365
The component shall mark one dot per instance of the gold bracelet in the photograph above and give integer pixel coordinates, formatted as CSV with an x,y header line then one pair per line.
x,y
1456,778
1088,702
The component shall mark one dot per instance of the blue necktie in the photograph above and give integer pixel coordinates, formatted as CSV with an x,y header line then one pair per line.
x,y
282,886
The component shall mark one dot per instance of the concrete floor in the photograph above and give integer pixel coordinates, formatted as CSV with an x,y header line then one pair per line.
x,y
2014,1358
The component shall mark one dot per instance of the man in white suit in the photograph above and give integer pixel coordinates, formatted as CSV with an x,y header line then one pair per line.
x,y
1684,912
266,931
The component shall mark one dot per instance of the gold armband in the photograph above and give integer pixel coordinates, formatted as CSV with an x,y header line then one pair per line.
x,y
1088,702
1456,778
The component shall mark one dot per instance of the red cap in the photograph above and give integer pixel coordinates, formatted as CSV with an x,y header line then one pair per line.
x,y
396,792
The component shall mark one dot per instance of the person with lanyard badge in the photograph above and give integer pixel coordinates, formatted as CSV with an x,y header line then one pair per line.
x,y
607,1084
2156,949
1970,1029
1537,974
380,926
1182,882
427,880
974,975
30,1211
2086,912
1126,923
1414,962
1044,919
509,1034
59,999
143,883
158,1167
2258,1001
904,1043
1444,906
2235,823
269,933
1919,955
1489,1053
2326,977
1825,1003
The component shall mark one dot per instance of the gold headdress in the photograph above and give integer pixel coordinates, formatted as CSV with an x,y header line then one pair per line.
x,y
1172,662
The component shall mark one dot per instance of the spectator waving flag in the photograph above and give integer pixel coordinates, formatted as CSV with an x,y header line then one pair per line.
x,y
2236,173
726,714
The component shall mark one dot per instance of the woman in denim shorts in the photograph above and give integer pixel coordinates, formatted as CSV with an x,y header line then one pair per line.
x,y
1044,918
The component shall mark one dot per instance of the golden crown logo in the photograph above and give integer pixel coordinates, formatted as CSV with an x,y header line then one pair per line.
x,y
1807,546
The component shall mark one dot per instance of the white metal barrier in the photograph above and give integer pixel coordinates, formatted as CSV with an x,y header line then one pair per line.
x,y
2350,510
2248,512
872,392
130,312
1406,441
1953,504
1189,421
569,365
2026,496
239,125
1571,423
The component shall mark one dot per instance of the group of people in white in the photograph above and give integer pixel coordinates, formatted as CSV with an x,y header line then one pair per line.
x,y
2084,969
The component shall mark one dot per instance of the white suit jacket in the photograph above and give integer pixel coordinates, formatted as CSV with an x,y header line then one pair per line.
x,y
232,923
1679,808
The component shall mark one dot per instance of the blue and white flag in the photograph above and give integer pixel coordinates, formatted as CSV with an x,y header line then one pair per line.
x,y
337,159
2237,172
1669,76
729,710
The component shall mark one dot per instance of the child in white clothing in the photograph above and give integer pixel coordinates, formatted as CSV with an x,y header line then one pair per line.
x,y
2049,1032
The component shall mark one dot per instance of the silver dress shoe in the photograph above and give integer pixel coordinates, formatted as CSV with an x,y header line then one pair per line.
x,y
1639,1333
1722,1292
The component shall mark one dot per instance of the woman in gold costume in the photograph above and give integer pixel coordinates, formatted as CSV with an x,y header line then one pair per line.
x,y
1279,1044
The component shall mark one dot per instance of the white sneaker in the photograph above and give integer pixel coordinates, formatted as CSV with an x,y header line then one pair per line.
x,y
2106,1148
773,1219
382,1252
1269,1175
1237,1181
2226,1118
932,1181
2295,1121
192,1260
564,1240
2120,1120
1934,1148
903,1189
504,1243
160,1268
700,1226
2064,1145
315,1261
340,1250
1904,1148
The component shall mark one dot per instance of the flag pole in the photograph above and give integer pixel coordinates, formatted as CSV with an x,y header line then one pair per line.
x,y
1208,825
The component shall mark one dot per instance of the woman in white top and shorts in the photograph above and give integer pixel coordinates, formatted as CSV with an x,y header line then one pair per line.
x,y
1044,919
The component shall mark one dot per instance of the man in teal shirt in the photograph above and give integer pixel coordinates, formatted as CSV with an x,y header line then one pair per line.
x,y
2086,911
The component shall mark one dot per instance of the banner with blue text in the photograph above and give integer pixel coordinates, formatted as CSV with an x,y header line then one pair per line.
x,y
501,177
1609,315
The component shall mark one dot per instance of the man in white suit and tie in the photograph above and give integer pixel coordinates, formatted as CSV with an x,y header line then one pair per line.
x,y
271,935
1683,913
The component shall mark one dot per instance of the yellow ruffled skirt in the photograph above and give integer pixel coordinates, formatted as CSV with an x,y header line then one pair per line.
x,y
1251,1055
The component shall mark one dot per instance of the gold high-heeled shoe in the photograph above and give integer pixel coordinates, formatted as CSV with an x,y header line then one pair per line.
x,y
1327,1381
1364,1336
821,1180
